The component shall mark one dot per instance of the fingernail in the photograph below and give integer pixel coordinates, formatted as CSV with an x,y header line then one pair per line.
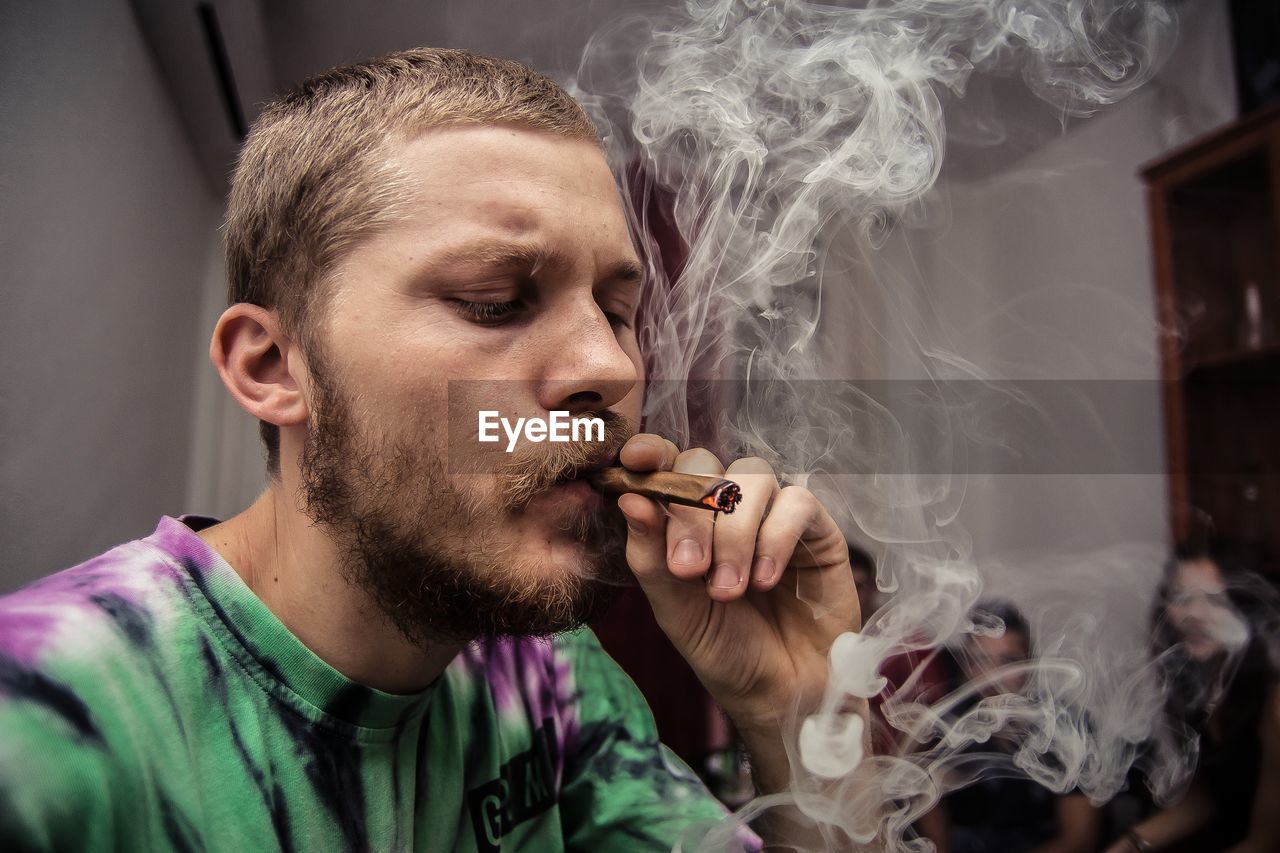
x,y
763,569
725,576
688,551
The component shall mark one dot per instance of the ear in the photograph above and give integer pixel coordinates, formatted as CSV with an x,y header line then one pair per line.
x,y
259,364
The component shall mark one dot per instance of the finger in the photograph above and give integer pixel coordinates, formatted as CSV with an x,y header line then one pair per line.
x,y
734,537
794,510
798,533
689,529
648,452
675,606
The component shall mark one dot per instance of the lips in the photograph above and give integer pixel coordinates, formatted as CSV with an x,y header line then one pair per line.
x,y
568,497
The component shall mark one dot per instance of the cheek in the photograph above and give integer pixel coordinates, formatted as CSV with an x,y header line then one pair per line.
x,y
1014,683
407,416
468,456
633,404
1218,620
420,420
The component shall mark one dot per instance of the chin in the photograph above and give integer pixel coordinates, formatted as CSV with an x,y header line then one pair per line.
x,y
561,556
567,539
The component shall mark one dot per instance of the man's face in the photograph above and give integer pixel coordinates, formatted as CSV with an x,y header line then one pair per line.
x,y
511,286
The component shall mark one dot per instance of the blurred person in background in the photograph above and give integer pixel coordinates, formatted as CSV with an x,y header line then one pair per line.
x,y
1005,811
863,566
1215,641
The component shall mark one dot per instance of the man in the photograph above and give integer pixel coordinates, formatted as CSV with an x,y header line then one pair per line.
x,y
351,662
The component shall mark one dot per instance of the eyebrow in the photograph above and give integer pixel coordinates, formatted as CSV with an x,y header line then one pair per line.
x,y
530,257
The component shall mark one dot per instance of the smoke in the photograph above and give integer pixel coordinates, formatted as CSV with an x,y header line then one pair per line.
x,y
776,156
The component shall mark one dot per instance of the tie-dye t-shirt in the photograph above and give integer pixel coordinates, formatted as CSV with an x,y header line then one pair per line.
x,y
150,701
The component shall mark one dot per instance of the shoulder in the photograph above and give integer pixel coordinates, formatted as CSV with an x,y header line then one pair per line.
x,y
75,643
73,660
89,612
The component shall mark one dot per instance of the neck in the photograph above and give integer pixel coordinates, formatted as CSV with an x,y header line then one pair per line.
x,y
295,568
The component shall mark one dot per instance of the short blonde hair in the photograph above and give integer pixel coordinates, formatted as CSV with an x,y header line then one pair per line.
x,y
312,178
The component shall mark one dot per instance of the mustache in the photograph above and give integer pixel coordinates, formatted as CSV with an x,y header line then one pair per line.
x,y
535,468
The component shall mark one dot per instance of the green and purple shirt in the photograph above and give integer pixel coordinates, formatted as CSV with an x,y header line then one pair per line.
x,y
150,701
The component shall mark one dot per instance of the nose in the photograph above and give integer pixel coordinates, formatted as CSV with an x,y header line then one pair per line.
x,y
1200,610
586,368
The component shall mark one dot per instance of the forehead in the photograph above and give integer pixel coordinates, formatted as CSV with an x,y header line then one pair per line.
x,y
1198,576
1009,643
510,180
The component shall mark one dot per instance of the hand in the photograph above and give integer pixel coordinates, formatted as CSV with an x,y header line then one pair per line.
x,y
753,600
1128,844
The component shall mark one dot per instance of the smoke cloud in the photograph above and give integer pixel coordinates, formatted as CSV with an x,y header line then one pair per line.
x,y
784,147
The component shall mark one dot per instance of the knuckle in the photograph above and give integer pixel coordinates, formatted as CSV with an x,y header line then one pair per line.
x,y
697,455
752,465
638,560
800,497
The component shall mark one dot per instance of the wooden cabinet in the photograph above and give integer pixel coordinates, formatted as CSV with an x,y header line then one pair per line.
x,y
1215,222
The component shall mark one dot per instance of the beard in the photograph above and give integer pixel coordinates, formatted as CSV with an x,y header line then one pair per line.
x,y
432,556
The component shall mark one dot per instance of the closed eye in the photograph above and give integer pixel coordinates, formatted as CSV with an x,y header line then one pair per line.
x,y
487,313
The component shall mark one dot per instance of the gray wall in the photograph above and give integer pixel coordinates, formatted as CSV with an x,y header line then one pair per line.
x,y
106,234
1054,283
1043,272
